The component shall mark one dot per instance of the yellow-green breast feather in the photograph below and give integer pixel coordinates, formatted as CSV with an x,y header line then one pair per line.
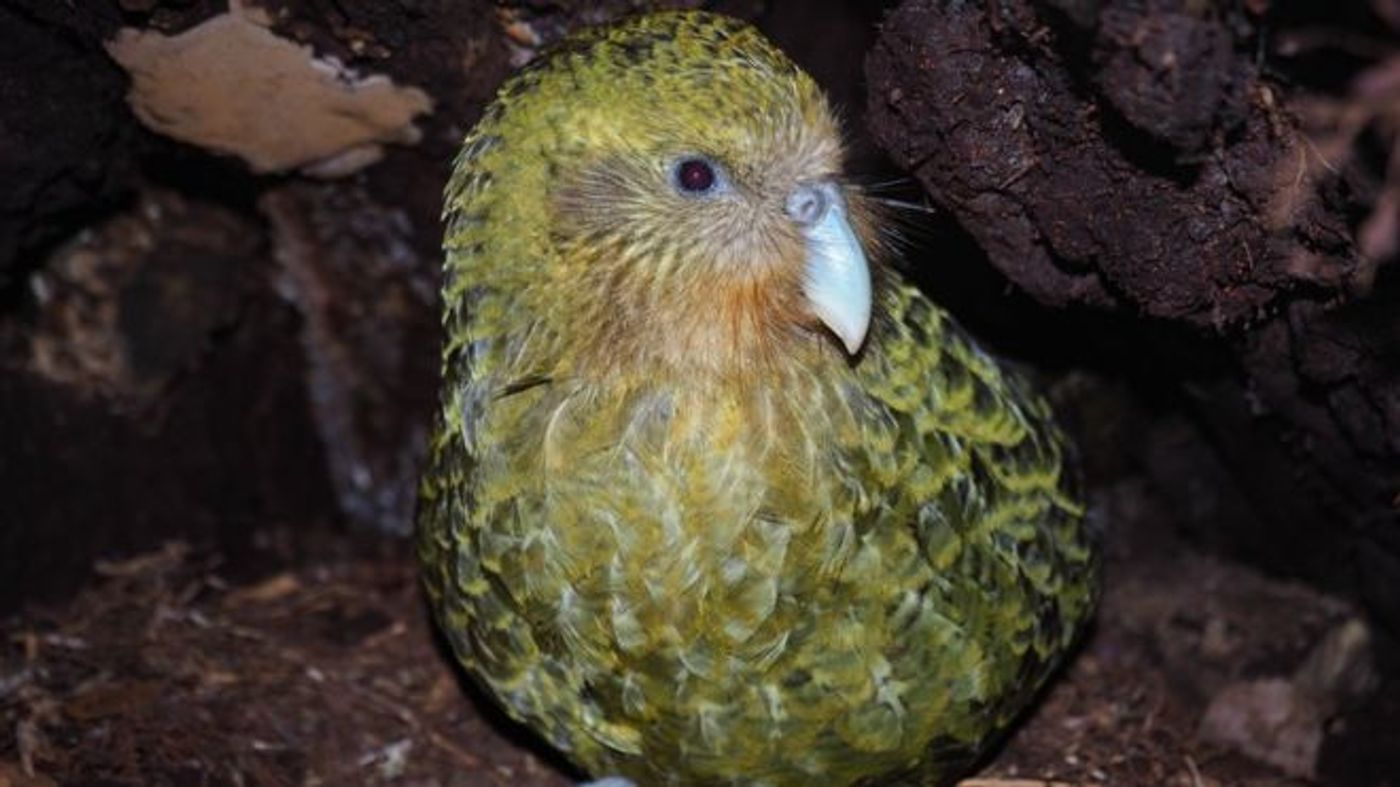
x,y
825,570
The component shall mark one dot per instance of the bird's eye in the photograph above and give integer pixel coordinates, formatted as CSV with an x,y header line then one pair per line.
x,y
695,175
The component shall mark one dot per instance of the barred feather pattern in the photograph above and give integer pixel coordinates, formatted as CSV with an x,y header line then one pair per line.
x,y
856,571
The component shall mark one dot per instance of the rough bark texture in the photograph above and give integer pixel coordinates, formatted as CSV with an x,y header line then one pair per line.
x,y
1130,156
1152,175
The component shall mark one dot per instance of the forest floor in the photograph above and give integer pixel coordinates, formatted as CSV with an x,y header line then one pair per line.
x,y
165,672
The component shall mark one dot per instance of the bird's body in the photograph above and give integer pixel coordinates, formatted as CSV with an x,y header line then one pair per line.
x,y
668,522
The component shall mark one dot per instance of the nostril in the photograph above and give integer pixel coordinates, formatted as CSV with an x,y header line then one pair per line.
x,y
806,205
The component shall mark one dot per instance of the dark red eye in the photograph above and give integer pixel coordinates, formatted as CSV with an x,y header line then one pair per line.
x,y
695,175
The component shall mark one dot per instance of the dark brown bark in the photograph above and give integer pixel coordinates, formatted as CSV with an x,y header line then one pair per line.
x,y
1132,157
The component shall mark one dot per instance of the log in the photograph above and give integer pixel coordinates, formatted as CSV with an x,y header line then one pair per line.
x,y
1132,158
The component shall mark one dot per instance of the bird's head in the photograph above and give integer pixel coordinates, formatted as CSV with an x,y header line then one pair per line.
x,y
667,194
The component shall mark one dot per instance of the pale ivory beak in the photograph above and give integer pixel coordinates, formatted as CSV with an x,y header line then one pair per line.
x,y
837,277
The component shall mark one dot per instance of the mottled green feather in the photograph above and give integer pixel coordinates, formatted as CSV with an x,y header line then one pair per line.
x,y
825,571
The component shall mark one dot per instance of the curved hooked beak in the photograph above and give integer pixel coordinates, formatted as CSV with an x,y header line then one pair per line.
x,y
836,278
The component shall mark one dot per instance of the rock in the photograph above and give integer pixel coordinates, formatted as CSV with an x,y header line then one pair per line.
x,y
1282,721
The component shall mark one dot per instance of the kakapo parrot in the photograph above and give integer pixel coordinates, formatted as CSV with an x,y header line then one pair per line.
x,y
715,497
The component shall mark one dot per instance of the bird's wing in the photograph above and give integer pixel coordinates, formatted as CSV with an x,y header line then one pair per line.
x,y
994,502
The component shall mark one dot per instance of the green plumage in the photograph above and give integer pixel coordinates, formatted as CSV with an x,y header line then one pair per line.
x,y
776,566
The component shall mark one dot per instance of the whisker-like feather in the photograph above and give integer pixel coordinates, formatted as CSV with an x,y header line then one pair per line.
x,y
903,205
903,182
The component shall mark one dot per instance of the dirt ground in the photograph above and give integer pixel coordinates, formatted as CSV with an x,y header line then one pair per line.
x,y
164,673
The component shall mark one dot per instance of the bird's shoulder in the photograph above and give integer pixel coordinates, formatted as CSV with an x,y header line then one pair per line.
x,y
959,408
993,493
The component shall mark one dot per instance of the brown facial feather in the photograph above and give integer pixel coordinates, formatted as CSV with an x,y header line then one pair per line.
x,y
686,283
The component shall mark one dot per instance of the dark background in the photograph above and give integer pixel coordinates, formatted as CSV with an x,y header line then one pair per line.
x,y
1182,214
